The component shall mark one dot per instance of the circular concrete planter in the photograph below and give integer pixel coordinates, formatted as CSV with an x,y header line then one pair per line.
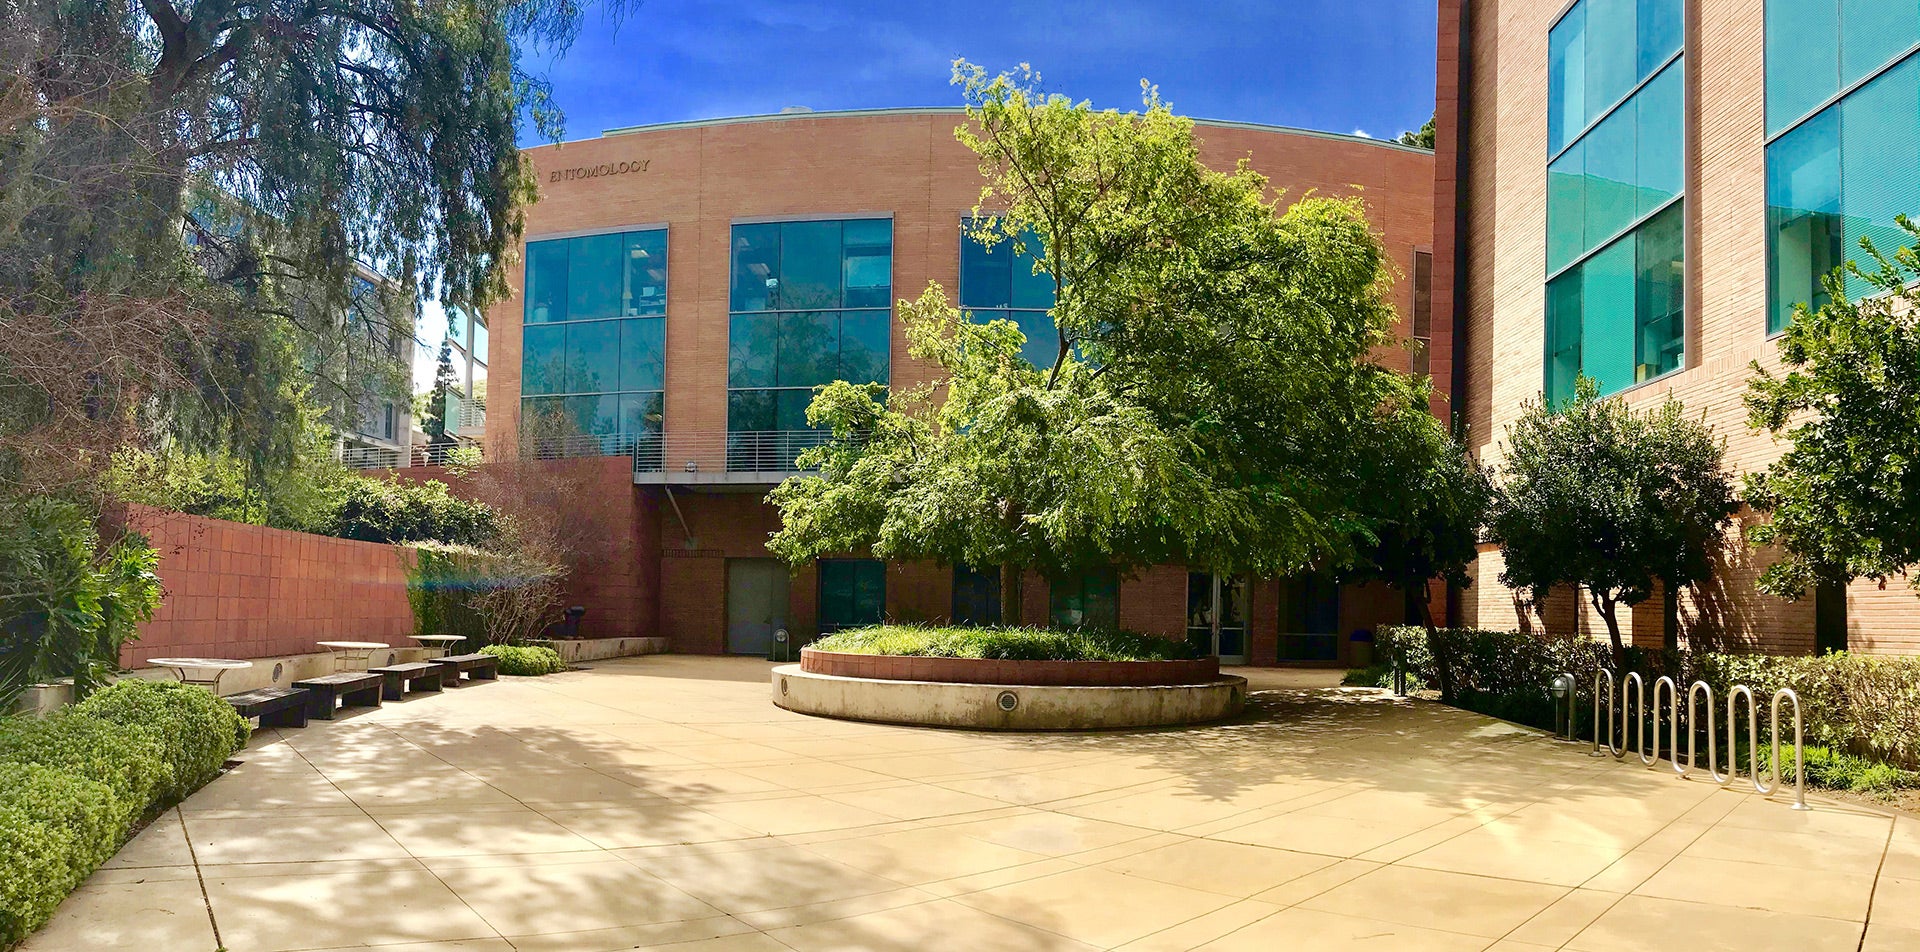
x,y
1007,707
983,671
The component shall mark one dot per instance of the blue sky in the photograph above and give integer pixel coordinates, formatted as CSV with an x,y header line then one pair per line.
x,y
1336,65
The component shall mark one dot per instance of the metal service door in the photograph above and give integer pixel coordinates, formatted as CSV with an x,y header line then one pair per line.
x,y
756,604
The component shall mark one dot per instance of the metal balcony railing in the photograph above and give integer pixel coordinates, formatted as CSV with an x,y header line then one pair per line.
x,y
466,416
692,456
373,457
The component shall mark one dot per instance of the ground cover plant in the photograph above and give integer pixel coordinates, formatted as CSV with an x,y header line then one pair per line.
x,y
74,784
1005,644
526,660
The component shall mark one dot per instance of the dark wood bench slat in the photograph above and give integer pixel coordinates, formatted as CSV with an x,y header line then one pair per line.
x,y
275,707
397,679
349,688
482,667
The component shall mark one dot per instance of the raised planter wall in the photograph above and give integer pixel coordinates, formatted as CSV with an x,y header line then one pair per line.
x,y
574,650
1006,707
982,671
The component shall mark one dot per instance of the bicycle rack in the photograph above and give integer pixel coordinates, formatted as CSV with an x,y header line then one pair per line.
x,y
1614,742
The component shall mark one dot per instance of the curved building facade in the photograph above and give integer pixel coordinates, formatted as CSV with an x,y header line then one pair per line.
x,y
684,287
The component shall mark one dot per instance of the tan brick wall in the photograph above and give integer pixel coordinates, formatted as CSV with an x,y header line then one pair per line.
x,y
1503,299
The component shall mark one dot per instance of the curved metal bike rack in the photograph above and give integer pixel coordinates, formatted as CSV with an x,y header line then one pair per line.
x,y
1615,740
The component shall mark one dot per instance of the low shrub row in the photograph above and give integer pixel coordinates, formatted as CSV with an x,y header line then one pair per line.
x,y
526,661
74,783
1857,705
1005,644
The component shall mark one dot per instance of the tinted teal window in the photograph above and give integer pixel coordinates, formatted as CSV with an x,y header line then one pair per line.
x,y
1660,295
812,303
595,271
546,291
543,367
643,356
1613,197
1623,169
1815,48
1839,177
853,592
1606,322
1620,315
1563,336
646,288
1659,168
1087,600
1598,52
1567,207
1000,283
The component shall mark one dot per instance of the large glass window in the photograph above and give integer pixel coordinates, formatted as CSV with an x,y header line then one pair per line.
x,y
999,283
1843,173
1618,316
853,592
1086,600
811,303
593,345
1616,170
1816,48
1597,53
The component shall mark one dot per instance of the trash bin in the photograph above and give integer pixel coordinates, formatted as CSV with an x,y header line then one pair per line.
x,y
782,649
1360,648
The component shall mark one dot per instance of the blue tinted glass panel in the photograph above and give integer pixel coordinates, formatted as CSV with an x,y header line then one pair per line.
x,y
596,416
1567,207
643,354
646,256
864,346
986,274
1563,336
543,360
1030,290
1804,234
546,291
1566,78
479,349
1661,28
1660,294
809,265
641,413
750,410
1880,164
756,261
593,357
1043,339
1611,194
809,348
1803,57
1612,52
1606,325
869,263
790,409
1873,32
1658,166
753,350
595,276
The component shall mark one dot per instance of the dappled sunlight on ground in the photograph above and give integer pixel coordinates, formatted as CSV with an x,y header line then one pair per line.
x,y
664,802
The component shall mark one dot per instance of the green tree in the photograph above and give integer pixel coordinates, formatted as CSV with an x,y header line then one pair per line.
x,y
1211,360
434,418
1844,499
1598,495
1422,137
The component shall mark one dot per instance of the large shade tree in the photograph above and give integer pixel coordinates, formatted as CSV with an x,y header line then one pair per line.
x,y
1613,500
1209,394
1844,499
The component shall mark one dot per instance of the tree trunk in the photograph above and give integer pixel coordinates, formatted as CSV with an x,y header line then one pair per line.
x,y
1610,612
1010,576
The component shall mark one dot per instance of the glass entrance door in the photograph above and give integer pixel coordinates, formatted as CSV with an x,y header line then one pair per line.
x,y
1217,615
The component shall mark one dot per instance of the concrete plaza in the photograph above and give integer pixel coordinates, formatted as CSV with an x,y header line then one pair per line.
x,y
665,803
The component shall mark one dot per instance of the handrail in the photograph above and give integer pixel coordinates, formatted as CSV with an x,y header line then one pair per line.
x,y
1615,739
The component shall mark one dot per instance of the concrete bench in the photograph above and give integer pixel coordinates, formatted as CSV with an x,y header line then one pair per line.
x,y
480,667
413,675
349,688
275,707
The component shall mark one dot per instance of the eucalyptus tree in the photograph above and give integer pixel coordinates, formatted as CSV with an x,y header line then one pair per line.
x,y
1209,372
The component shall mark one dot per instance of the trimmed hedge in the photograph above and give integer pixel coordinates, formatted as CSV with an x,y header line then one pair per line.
x,y
74,783
530,661
1863,705
1005,644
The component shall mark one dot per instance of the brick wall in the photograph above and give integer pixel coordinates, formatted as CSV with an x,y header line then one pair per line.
x,y
1502,299
242,591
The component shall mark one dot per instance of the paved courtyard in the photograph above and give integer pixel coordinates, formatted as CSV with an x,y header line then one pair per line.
x,y
664,803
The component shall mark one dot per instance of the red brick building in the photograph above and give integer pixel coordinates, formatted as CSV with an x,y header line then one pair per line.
x,y
683,286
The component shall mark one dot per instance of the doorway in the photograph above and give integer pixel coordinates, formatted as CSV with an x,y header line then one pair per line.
x,y
756,604
1217,615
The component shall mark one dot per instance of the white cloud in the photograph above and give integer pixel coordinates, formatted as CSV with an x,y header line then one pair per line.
x,y
1362,133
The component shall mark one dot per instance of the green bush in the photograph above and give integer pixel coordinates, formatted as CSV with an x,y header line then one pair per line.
x,y
390,510
1856,705
196,730
528,661
1005,644
74,783
55,828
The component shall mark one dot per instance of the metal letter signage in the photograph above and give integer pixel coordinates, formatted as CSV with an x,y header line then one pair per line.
x,y
596,171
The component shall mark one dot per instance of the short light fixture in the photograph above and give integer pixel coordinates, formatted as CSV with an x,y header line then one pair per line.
x,y
693,466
